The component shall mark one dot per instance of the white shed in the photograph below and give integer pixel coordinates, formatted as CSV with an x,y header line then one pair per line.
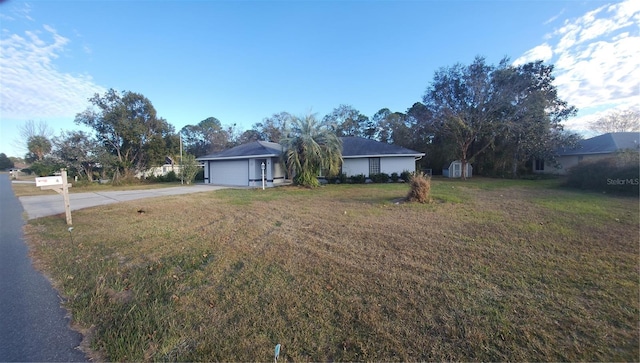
x,y
455,170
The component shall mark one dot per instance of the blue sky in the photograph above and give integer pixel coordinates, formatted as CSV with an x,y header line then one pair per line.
x,y
242,61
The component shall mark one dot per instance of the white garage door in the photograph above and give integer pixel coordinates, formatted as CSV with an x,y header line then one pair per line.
x,y
235,172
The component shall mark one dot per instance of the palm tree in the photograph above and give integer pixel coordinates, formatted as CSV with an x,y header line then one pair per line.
x,y
309,148
38,146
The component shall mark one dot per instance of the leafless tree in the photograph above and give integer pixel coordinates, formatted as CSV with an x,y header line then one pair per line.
x,y
31,130
618,121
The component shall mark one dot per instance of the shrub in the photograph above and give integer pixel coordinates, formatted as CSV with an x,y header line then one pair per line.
x,y
379,178
338,179
395,177
420,188
406,175
127,179
47,166
200,175
616,174
342,178
307,178
171,177
358,179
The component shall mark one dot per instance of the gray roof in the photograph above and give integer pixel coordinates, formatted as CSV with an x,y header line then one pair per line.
x,y
605,144
250,150
353,147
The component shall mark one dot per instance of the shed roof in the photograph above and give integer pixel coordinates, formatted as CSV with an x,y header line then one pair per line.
x,y
252,149
605,144
353,147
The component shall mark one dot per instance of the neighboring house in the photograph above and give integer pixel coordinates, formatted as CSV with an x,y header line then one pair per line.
x,y
598,147
156,171
242,165
455,170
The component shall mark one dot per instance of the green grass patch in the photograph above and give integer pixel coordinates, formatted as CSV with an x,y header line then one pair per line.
x,y
342,273
593,208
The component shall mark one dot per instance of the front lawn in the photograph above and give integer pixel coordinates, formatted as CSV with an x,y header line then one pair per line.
x,y
494,272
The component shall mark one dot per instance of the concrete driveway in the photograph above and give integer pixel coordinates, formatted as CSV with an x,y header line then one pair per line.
x,y
37,206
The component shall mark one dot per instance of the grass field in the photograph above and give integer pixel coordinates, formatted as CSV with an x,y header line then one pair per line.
x,y
492,271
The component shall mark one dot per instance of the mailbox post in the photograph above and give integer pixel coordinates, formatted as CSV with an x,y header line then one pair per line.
x,y
59,185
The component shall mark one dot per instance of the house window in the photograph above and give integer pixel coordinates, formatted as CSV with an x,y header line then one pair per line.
x,y
539,165
374,166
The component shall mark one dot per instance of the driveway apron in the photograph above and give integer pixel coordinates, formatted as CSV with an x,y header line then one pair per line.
x,y
33,325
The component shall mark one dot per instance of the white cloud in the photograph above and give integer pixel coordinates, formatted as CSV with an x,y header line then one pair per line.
x,y
17,11
596,59
541,52
553,18
31,86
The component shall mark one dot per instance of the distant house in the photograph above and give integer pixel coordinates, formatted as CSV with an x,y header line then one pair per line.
x,y
455,170
598,147
242,165
163,170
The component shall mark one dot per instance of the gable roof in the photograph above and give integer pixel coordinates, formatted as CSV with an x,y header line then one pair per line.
x,y
352,147
357,147
605,144
244,151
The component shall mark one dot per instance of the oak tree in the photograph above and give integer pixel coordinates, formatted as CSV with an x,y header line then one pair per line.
x,y
128,126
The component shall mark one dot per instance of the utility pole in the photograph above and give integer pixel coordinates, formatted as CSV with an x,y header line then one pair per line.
x,y
181,166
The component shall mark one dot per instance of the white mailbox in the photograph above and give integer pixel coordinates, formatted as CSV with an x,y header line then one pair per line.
x,y
59,185
48,180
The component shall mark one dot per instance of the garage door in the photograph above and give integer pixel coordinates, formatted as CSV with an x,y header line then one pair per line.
x,y
235,172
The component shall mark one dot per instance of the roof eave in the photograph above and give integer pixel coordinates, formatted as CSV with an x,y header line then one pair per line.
x,y
204,158
382,155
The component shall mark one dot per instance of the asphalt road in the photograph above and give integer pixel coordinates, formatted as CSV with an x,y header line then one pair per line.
x,y
33,325
47,205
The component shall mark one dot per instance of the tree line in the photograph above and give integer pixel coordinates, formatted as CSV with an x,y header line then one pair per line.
x,y
498,117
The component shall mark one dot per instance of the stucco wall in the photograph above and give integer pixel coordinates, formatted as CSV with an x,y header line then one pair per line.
x,y
352,167
397,165
388,165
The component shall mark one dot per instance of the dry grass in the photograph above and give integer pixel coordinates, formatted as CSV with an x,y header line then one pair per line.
x,y
419,188
491,272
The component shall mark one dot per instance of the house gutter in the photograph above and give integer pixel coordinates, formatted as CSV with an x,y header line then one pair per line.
x,y
382,156
222,158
